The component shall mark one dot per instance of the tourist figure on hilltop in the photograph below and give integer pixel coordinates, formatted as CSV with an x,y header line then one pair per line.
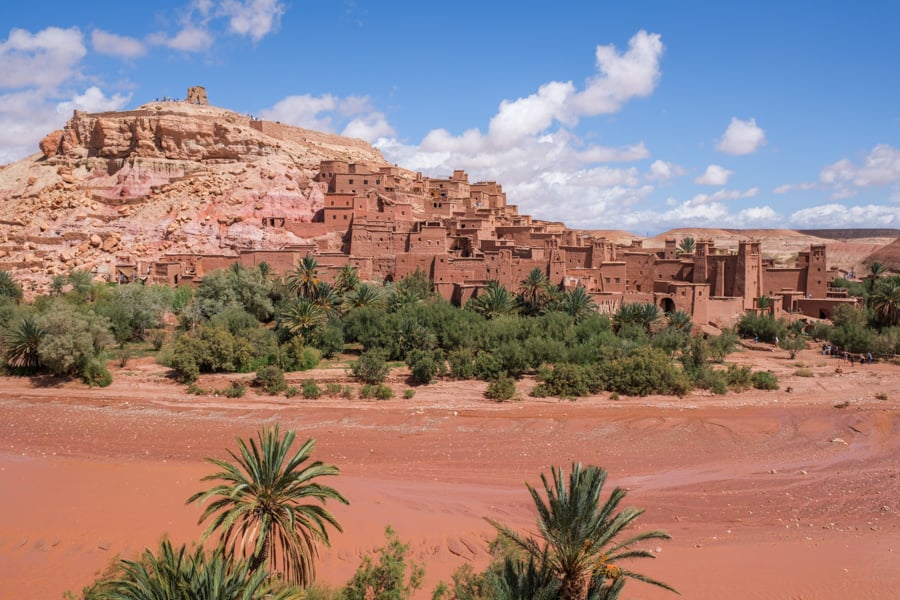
x,y
868,358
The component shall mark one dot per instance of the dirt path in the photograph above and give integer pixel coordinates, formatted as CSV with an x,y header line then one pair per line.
x,y
767,494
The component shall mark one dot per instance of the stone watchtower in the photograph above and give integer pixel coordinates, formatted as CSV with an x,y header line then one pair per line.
x,y
197,95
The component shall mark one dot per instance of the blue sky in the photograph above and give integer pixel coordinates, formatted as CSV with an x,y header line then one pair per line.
x,y
638,115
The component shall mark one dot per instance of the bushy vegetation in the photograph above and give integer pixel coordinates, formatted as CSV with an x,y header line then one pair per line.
x,y
245,320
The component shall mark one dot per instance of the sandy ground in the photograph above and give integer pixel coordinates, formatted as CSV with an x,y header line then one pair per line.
x,y
769,495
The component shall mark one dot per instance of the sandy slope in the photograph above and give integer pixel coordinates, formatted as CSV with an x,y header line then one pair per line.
x,y
767,494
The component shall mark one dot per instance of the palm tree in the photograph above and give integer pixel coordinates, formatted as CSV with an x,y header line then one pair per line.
x,y
764,303
260,508
642,314
524,581
578,534
328,298
303,318
885,300
347,279
365,295
534,291
174,573
493,301
9,288
876,270
680,320
302,281
687,245
577,303
22,343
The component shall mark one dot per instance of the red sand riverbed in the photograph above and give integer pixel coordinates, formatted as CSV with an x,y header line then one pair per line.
x,y
767,494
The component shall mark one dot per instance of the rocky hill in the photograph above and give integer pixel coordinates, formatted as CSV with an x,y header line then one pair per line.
x,y
167,177
187,177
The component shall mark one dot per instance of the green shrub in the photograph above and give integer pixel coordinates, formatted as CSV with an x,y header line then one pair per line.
x,y
95,373
395,577
763,326
739,378
271,379
409,394
333,389
347,392
462,363
371,368
765,380
291,391
567,381
648,371
487,367
502,388
310,389
425,365
709,379
379,391
804,373
236,390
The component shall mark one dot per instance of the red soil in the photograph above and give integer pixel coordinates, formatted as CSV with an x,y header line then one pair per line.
x,y
766,494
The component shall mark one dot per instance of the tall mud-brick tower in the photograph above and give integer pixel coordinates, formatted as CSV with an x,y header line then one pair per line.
x,y
748,275
816,280
197,95
701,262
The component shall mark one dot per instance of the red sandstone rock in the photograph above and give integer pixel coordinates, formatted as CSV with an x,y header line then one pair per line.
x,y
51,143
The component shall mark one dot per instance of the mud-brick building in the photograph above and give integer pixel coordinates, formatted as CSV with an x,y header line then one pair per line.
x,y
392,222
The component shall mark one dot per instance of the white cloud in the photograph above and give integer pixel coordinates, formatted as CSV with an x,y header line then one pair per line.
x,y
841,216
790,187
353,115
530,147
720,196
714,175
369,127
622,76
191,38
92,100
664,171
116,45
529,116
43,60
256,18
742,137
41,72
880,167
303,111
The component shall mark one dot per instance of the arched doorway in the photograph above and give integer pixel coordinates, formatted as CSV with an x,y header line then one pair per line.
x,y
667,305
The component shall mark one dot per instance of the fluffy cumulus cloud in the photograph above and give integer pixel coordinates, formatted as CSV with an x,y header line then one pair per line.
x,y
530,145
714,175
742,137
255,18
41,60
201,21
879,168
111,44
352,116
92,100
840,216
662,171
40,79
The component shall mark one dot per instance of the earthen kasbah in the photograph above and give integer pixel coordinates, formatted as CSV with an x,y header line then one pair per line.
x,y
177,188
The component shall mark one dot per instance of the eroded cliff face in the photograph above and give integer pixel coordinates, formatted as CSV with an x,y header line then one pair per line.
x,y
116,188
